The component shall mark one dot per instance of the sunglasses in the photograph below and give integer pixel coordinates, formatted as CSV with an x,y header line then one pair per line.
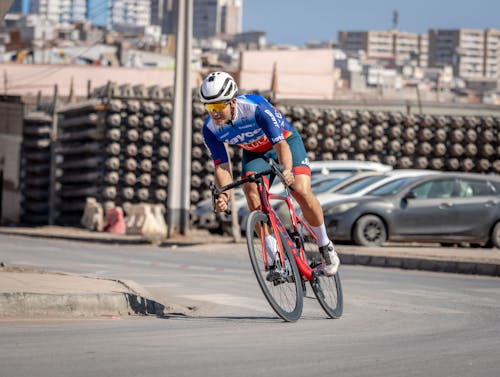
x,y
218,107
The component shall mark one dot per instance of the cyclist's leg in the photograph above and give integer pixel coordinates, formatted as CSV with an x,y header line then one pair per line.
x,y
254,163
311,209
309,204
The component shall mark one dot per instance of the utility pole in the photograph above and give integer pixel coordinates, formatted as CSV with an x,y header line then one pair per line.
x,y
179,188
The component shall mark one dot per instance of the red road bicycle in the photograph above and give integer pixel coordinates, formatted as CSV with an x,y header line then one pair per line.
x,y
298,258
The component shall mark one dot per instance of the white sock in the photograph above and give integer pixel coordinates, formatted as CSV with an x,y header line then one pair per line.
x,y
320,232
271,247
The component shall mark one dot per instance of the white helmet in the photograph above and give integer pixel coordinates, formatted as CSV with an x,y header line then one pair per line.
x,y
218,87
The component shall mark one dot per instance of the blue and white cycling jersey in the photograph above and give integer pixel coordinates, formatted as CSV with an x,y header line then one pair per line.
x,y
257,126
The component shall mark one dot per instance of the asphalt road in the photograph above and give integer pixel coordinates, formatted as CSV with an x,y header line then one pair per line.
x,y
395,323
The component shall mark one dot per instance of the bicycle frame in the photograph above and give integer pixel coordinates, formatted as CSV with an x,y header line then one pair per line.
x,y
295,246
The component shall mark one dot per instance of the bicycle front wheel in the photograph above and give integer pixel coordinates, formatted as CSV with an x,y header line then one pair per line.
x,y
327,289
284,290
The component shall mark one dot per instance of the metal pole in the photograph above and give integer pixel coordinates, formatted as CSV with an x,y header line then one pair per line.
x,y
178,201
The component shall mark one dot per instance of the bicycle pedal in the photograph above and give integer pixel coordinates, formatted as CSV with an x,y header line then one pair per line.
x,y
314,263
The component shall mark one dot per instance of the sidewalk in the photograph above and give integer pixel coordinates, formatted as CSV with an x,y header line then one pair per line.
x,y
30,293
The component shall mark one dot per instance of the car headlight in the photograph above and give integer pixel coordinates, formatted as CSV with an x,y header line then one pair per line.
x,y
339,208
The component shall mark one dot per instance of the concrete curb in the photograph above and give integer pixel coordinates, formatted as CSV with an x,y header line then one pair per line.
x,y
107,238
424,264
26,304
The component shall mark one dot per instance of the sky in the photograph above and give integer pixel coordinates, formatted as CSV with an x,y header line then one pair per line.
x,y
299,21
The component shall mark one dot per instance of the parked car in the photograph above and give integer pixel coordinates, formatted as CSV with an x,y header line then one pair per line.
x,y
448,208
356,185
330,166
360,184
327,176
205,218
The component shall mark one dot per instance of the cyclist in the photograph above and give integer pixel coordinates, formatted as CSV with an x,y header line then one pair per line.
x,y
253,124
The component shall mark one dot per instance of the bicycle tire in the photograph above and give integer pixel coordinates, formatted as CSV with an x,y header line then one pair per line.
x,y
327,289
285,297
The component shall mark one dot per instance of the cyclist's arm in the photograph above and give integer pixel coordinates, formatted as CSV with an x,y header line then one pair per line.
x,y
284,154
223,177
222,170
274,126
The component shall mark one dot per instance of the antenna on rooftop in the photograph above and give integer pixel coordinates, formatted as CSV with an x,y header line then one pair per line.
x,y
395,16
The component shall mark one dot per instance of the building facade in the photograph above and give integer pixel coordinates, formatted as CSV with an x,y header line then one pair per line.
x,y
107,13
164,14
212,18
472,53
59,10
390,44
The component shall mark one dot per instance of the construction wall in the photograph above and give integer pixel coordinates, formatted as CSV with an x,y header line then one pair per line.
x,y
29,79
297,73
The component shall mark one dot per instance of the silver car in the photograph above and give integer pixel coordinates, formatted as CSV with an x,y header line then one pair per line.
x,y
448,208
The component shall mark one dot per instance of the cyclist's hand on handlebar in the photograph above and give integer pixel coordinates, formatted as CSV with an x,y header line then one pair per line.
x,y
221,203
289,177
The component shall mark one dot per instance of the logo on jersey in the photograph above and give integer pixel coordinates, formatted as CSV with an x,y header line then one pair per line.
x,y
274,140
238,139
273,118
305,161
256,144
247,126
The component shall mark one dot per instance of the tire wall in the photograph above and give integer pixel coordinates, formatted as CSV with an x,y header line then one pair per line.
x,y
116,147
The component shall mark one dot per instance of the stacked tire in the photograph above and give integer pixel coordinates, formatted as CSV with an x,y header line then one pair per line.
x,y
35,168
116,147
455,143
81,154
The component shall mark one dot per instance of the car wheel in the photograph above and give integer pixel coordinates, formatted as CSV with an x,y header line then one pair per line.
x,y
369,231
495,236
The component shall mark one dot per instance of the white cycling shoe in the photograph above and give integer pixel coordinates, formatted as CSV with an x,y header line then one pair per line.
x,y
330,259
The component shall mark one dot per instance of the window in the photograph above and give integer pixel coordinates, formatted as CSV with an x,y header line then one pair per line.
x,y
359,185
391,188
496,187
438,189
473,187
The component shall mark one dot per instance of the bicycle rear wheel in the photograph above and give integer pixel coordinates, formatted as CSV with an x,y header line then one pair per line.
x,y
284,294
327,289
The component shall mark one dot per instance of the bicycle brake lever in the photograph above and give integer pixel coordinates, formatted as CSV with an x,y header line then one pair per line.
x,y
215,194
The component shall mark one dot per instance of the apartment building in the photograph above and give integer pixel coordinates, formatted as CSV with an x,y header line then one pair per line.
x,y
472,53
215,17
107,13
19,6
59,10
390,44
104,13
232,17
164,14
492,53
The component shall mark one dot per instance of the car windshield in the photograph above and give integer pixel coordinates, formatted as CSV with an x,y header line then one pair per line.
x,y
391,188
327,184
359,185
